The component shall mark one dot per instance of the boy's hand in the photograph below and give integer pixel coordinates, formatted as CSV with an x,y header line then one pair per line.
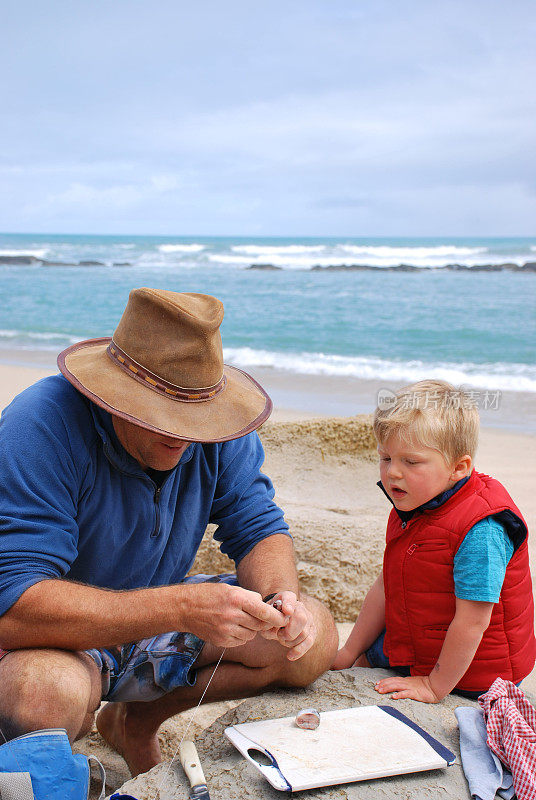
x,y
415,687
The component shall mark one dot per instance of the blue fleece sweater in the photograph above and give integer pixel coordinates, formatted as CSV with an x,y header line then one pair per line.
x,y
74,504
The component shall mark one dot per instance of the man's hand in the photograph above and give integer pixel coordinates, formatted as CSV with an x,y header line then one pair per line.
x,y
226,616
415,687
297,631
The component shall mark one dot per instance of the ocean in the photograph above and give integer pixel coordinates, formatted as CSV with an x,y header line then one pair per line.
x,y
476,328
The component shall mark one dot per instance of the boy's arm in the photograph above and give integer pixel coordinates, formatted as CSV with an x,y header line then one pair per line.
x,y
369,624
461,642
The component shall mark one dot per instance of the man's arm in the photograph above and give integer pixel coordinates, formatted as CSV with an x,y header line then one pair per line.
x,y
71,616
270,567
58,613
253,532
243,506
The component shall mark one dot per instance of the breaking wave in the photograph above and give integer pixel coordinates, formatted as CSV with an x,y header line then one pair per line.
x,y
505,377
181,248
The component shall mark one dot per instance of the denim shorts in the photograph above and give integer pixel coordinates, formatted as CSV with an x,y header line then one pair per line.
x,y
150,668
377,657
147,669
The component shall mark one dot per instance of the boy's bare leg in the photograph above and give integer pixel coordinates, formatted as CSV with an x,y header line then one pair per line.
x,y
131,728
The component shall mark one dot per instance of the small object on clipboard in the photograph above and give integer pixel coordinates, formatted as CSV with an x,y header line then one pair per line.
x,y
308,719
353,744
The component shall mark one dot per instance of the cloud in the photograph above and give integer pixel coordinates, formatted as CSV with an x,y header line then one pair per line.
x,y
315,117
104,199
82,195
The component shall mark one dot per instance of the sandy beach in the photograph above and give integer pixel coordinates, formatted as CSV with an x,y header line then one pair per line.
x,y
325,472
338,202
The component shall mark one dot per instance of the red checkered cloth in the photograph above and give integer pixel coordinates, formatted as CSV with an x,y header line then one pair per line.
x,y
511,726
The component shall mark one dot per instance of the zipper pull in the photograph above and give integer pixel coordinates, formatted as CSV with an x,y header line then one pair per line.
x,y
411,549
156,498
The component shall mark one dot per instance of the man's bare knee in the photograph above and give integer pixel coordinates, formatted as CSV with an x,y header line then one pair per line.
x,y
269,657
47,689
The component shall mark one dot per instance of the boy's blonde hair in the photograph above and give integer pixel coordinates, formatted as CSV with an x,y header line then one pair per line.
x,y
433,414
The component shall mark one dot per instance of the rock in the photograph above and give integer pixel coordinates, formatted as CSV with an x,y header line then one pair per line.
x,y
478,267
19,261
368,268
530,266
265,267
58,264
345,268
406,268
91,264
230,777
329,436
24,261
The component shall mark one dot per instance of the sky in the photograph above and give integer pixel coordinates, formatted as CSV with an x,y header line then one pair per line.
x,y
287,118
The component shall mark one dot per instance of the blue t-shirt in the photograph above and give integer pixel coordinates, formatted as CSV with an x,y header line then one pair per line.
x,y
481,561
74,504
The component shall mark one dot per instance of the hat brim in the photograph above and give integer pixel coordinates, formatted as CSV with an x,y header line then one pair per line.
x,y
239,408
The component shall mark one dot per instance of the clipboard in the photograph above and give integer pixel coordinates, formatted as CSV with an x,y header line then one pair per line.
x,y
352,744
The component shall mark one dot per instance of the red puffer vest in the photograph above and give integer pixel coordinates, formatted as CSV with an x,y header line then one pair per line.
x,y
419,587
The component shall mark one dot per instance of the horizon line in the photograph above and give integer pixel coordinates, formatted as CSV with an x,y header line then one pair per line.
x,y
270,235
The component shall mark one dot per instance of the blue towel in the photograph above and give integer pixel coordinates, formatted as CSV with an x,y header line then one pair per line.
x,y
485,773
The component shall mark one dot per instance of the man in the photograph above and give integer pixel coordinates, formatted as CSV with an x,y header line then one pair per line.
x,y
110,473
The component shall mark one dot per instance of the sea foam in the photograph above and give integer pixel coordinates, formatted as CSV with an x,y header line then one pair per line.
x,y
36,340
37,253
498,376
304,257
181,248
290,249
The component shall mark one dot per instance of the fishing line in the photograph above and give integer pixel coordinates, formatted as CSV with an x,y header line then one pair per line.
x,y
192,717
276,604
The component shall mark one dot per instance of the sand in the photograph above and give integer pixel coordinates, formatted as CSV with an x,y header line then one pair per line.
x,y
325,472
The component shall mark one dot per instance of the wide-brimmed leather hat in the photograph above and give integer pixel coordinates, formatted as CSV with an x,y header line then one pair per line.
x,y
163,370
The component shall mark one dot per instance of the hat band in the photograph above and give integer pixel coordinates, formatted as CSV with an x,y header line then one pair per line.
x,y
157,384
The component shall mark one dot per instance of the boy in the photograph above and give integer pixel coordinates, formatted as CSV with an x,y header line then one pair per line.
x,y
453,607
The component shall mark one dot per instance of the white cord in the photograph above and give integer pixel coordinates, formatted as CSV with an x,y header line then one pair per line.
x,y
192,717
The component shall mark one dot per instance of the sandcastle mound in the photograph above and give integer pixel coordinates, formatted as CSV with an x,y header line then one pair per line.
x,y
337,538
331,436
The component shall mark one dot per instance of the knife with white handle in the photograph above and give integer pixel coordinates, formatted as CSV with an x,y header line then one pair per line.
x,y
194,772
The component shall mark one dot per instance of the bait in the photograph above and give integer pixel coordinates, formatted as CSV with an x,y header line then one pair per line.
x,y
308,719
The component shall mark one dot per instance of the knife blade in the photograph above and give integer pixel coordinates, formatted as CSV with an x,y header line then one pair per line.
x,y
189,759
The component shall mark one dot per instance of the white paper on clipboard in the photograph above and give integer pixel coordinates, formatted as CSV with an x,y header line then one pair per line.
x,y
352,744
